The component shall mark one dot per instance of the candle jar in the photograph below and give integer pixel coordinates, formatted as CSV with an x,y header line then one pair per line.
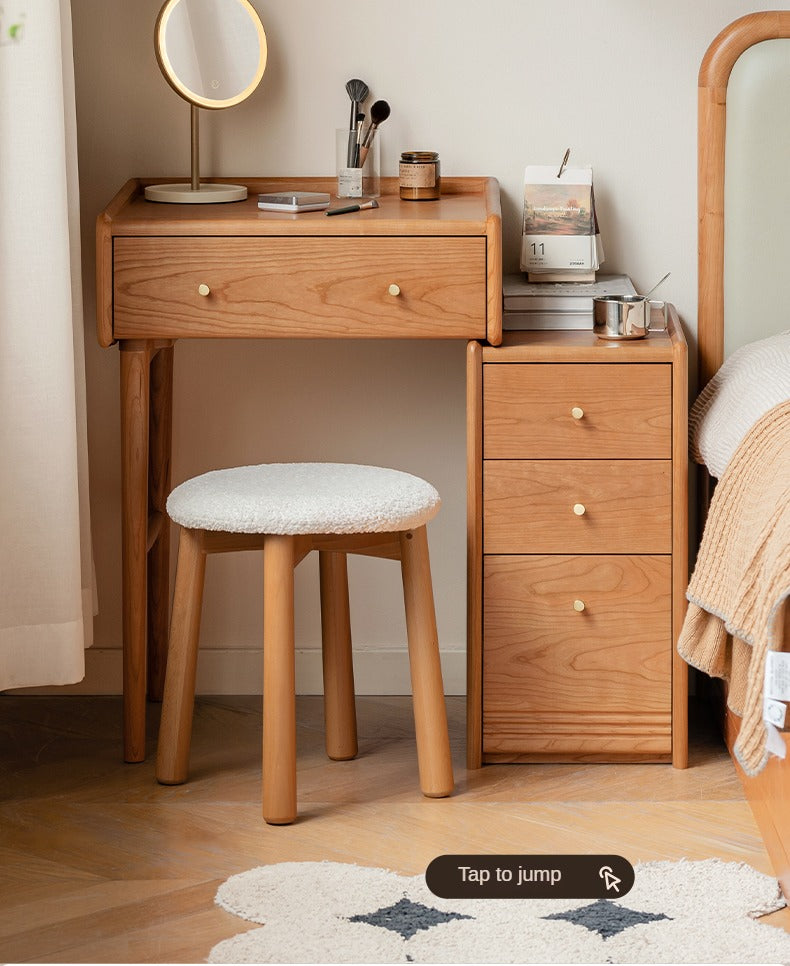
x,y
420,176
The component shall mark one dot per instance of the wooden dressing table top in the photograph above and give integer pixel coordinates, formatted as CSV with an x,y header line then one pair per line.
x,y
278,274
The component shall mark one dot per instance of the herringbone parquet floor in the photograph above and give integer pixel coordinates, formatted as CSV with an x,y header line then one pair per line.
x,y
98,863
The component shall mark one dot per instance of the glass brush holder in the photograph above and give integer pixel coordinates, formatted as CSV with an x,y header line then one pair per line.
x,y
355,179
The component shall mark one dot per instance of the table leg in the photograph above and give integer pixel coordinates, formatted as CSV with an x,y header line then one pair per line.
x,y
160,446
135,384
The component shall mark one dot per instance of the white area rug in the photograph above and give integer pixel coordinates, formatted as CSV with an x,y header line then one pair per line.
x,y
328,912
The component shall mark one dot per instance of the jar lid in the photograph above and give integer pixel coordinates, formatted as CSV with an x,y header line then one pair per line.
x,y
420,156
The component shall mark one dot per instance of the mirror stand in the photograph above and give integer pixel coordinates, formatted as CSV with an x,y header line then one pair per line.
x,y
195,193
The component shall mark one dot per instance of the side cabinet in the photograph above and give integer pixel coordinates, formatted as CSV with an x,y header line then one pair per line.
x,y
577,548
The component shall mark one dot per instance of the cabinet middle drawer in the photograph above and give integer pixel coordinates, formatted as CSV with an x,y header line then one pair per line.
x,y
577,506
567,411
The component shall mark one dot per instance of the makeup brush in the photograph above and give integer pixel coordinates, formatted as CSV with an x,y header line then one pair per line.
x,y
379,112
362,206
358,139
357,90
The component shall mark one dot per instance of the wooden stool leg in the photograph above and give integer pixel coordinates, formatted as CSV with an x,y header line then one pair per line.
x,y
279,681
430,716
340,716
175,728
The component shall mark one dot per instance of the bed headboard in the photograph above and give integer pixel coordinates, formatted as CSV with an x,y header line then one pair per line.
x,y
744,228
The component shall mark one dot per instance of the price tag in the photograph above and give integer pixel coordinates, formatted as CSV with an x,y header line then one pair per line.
x,y
775,713
777,675
349,183
774,743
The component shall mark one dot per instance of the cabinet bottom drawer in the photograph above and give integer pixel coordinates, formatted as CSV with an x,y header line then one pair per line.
x,y
577,656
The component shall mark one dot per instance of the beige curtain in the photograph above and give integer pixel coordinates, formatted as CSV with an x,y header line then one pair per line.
x,y
46,598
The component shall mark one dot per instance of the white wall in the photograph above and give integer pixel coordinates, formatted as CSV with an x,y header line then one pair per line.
x,y
490,85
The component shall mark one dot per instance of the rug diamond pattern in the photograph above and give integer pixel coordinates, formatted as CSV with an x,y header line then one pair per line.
x,y
407,918
606,918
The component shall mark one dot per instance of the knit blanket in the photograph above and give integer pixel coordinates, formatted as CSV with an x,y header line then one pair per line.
x,y
741,582
753,380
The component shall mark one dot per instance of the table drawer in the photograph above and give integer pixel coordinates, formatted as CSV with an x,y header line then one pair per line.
x,y
625,506
557,680
621,412
300,287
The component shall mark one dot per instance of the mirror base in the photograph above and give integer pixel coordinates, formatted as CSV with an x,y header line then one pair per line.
x,y
183,194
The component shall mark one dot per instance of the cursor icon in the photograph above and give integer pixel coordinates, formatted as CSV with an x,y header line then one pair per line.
x,y
611,880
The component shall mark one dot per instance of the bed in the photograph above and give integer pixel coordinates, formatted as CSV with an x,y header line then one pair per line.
x,y
744,263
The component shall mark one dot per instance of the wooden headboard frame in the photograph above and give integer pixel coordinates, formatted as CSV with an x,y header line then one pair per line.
x,y
714,75
768,792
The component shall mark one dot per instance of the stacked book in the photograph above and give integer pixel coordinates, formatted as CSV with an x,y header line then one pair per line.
x,y
556,305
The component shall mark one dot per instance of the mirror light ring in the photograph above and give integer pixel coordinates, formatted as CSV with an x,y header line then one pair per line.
x,y
170,75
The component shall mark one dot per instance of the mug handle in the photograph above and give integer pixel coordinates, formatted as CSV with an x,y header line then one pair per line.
x,y
658,305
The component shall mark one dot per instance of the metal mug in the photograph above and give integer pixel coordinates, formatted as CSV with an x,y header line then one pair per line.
x,y
625,316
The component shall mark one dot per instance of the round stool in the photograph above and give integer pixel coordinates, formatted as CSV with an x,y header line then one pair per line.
x,y
287,510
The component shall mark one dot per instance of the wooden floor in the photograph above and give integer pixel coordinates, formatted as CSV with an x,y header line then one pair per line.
x,y
98,863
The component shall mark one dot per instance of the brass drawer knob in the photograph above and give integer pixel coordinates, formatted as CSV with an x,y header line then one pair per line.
x,y
578,606
203,289
579,509
577,412
394,289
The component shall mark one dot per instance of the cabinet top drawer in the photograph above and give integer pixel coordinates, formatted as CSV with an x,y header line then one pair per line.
x,y
577,411
350,287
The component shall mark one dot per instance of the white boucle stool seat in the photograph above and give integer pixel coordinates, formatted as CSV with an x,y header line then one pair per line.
x,y
287,511
304,498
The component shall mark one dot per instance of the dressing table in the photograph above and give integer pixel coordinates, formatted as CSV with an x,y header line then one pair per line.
x,y
407,270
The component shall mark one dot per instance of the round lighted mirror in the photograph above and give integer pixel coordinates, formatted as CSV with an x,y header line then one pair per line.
x,y
213,53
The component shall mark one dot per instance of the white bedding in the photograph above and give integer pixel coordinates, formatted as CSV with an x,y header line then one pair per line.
x,y
752,381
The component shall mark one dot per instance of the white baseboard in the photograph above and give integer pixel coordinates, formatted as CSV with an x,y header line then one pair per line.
x,y
240,671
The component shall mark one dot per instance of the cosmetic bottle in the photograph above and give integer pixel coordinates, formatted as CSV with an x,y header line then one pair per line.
x,y
420,176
